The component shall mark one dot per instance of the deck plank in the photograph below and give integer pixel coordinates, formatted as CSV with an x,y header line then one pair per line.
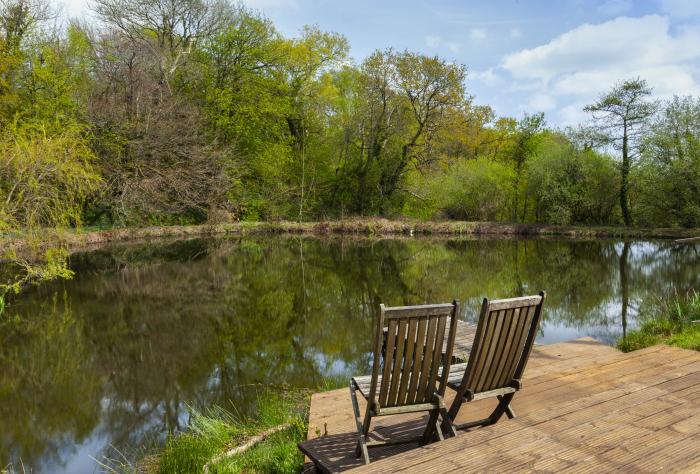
x,y
583,406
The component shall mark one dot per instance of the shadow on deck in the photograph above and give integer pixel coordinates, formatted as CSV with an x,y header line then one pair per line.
x,y
584,406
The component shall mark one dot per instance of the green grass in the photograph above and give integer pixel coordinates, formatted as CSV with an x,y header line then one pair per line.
x,y
672,322
214,431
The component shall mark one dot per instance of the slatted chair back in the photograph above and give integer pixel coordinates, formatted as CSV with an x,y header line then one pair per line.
x,y
412,354
504,338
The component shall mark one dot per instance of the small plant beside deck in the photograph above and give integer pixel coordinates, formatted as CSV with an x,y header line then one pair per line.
x,y
675,321
218,441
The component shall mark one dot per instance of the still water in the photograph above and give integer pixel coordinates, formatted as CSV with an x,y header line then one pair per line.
x,y
110,361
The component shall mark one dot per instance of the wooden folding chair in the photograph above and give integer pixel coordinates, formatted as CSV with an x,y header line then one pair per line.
x,y
502,344
404,380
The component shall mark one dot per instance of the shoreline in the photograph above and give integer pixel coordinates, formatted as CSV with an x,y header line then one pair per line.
x,y
74,240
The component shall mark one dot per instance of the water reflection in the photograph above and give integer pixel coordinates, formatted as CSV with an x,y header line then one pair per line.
x,y
114,357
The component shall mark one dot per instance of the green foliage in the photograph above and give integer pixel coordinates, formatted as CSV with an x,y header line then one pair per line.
x,y
214,115
45,176
567,186
473,190
214,431
47,356
22,272
667,183
621,117
674,321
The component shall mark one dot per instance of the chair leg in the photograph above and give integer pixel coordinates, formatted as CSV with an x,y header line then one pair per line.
x,y
456,404
431,427
510,412
362,449
362,427
438,430
502,407
447,424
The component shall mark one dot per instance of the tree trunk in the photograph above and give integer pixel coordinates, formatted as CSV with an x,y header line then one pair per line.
x,y
624,184
624,285
516,189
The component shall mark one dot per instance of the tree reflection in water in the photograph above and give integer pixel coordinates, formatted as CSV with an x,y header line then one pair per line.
x,y
115,356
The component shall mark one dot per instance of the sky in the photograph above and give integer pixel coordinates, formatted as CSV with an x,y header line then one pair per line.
x,y
521,55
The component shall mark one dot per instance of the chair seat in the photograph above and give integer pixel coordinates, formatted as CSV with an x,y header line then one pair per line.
x,y
364,382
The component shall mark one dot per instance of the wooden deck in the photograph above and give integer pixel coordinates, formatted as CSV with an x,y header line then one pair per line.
x,y
585,407
463,340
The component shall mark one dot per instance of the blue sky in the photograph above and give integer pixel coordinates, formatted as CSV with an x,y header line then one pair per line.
x,y
521,55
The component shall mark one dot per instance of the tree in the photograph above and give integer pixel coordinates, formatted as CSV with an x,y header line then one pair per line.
x,y
668,178
152,137
308,58
621,117
525,140
169,29
431,87
566,185
401,103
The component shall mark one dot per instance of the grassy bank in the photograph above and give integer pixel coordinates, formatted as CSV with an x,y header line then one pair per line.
x,y
675,321
77,239
268,439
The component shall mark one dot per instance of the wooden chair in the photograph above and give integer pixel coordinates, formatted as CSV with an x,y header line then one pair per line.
x,y
406,380
504,338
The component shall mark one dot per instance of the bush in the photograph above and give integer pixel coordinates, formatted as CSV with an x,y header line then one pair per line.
x,y
567,186
45,177
473,190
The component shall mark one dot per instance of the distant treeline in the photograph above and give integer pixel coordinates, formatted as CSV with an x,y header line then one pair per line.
x,y
192,111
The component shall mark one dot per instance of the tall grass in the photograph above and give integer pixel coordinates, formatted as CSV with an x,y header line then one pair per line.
x,y
214,431
674,321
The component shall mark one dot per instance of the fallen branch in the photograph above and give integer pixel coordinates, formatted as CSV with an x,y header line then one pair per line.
x,y
688,240
246,446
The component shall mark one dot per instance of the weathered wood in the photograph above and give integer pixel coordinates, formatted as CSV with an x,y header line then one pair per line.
x,y
423,383
251,442
410,350
520,302
416,362
625,422
415,337
397,370
687,241
548,368
504,338
388,363
424,311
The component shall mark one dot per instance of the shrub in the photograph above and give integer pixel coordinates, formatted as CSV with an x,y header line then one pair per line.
x,y
473,190
45,177
567,186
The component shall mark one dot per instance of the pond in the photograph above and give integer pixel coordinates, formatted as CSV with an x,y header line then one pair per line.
x,y
110,361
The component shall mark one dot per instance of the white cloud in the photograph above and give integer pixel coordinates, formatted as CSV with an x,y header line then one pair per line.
x,y
586,61
432,41
487,77
541,102
453,46
477,34
515,33
573,114
73,8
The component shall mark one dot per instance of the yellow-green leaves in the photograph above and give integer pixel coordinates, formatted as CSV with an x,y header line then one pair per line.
x,y
45,177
